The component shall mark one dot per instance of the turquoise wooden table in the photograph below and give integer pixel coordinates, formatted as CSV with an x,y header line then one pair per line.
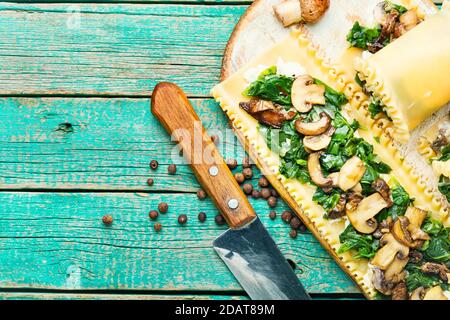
x,y
76,140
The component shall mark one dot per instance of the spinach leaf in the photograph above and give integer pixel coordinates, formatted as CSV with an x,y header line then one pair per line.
x,y
416,278
389,6
364,245
444,186
436,249
375,107
270,86
401,201
360,36
295,170
445,153
327,200
332,96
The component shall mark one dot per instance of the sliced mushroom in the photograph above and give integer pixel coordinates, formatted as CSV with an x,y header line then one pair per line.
x,y
313,10
315,171
316,143
351,173
362,219
305,94
435,293
401,233
339,210
400,291
416,217
390,250
380,283
353,200
394,273
440,270
380,186
265,112
313,128
288,12
417,294
357,188
409,19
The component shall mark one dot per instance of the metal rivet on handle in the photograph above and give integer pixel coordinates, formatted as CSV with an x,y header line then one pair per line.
x,y
233,203
213,171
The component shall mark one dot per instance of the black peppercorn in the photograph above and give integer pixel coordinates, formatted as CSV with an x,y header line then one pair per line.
x,y
163,207
246,162
172,169
274,193
154,164
201,194
219,219
153,214
272,202
150,181
302,228
248,188
202,217
256,194
182,219
295,222
107,220
272,215
293,233
239,177
157,226
248,173
265,193
286,216
263,182
232,164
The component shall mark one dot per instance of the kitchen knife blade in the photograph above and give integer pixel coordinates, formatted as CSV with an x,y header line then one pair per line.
x,y
246,248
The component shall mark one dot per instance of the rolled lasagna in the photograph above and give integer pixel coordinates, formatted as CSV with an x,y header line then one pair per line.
x,y
410,76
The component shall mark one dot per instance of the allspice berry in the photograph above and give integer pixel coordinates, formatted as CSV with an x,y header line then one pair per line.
x,y
274,193
201,194
272,215
293,233
295,222
248,173
286,216
239,177
154,164
153,214
157,226
246,162
302,228
107,220
202,217
163,207
172,169
265,193
248,188
263,182
219,220
232,164
182,219
272,202
150,181
256,194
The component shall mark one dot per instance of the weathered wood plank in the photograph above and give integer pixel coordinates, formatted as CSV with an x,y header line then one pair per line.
x,y
57,241
102,296
108,146
112,49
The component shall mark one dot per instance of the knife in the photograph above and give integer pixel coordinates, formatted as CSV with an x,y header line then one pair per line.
x,y
246,248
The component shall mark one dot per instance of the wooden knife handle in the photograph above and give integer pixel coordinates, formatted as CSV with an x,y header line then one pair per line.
x,y
172,108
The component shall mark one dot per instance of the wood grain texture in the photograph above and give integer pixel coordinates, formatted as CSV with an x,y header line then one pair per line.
x,y
57,241
108,145
108,49
102,296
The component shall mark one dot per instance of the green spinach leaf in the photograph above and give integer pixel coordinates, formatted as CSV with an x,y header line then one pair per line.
x,y
360,36
364,245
